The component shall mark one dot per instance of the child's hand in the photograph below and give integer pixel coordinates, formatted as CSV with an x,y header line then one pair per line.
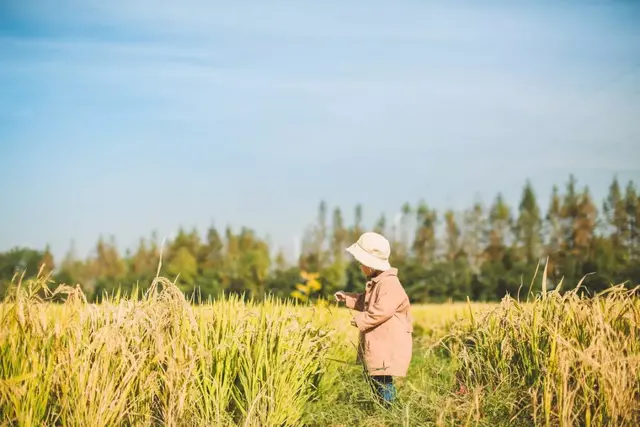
x,y
340,296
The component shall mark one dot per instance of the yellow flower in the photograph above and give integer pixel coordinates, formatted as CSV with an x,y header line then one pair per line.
x,y
299,296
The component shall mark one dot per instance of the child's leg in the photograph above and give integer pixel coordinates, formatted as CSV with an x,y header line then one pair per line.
x,y
384,388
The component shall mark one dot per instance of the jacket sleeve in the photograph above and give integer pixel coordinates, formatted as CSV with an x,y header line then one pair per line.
x,y
355,301
388,299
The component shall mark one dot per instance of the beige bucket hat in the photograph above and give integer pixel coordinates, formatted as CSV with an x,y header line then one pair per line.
x,y
372,250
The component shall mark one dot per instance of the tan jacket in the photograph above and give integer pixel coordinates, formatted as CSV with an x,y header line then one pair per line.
x,y
385,325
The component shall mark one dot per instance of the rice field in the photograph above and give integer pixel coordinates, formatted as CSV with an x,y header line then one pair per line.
x,y
155,359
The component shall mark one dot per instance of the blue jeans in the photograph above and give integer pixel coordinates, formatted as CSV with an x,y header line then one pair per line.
x,y
384,388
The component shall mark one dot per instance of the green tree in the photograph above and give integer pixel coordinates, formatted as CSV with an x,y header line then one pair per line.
x,y
584,227
20,261
381,224
568,215
617,219
500,222
485,253
529,226
321,235
184,267
106,269
254,263
456,265
402,244
309,257
231,279
356,230
107,262
474,240
73,271
452,236
424,243
339,238
47,263
211,254
143,264
554,234
280,261
632,204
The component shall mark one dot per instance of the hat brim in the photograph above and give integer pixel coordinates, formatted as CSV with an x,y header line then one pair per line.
x,y
367,259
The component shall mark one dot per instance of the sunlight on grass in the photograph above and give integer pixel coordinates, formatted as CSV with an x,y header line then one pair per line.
x,y
555,360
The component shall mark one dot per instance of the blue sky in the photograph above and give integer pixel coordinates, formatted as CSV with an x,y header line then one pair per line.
x,y
124,117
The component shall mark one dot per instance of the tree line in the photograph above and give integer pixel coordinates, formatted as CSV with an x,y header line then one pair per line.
x,y
483,252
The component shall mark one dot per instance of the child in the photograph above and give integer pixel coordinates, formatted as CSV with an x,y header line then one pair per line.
x,y
383,316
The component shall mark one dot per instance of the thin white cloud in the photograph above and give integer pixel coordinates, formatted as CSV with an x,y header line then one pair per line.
x,y
95,49
373,21
349,113
152,65
276,18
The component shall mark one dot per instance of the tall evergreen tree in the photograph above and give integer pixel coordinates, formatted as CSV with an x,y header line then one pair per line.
x,y
452,236
107,263
568,215
500,222
340,236
632,204
585,227
529,226
402,244
554,233
424,243
211,254
357,230
474,240
280,261
320,237
143,262
615,213
381,225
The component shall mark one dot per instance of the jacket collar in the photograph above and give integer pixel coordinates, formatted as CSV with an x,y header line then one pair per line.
x,y
375,280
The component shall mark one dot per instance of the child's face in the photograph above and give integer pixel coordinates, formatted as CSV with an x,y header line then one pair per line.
x,y
367,271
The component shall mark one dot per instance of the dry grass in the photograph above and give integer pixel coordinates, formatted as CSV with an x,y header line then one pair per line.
x,y
556,360
154,361
565,359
